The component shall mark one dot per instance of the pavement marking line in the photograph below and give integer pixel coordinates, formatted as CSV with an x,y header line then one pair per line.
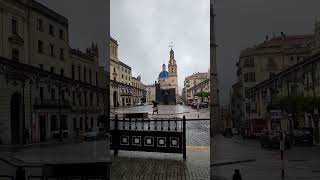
x,y
233,162
198,147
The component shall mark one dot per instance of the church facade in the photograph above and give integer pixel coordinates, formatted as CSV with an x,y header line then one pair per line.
x,y
168,79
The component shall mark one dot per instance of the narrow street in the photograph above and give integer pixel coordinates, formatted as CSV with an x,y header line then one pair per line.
x,y
262,163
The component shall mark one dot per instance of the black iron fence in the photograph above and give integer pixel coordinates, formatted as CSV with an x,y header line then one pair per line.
x,y
166,135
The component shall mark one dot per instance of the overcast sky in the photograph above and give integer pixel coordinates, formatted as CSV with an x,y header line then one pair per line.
x,y
242,23
145,28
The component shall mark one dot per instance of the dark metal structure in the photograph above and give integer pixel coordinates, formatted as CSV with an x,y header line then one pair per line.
x,y
150,135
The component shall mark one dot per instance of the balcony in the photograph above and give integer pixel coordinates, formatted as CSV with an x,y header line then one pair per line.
x,y
126,94
51,103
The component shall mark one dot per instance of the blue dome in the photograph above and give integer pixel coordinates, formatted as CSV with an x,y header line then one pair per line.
x,y
164,74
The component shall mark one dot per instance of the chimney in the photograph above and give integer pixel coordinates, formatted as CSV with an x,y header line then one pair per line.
x,y
282,34
267,37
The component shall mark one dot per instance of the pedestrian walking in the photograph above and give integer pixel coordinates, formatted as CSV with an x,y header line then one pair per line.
x,y
26,136
236,175
155,107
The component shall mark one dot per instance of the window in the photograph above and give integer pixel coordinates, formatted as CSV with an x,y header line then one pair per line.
x,y
74,98
250,77
41,66
72,72
15,54
291,58
61,34
86,123
39,25
41,93
51,49
97,82
114,69
14,26
61,53
51,30
85,98
91,123
79,73
271,74
81,124
74,123
61,72
52,69
63,122
80,100
90,76
62,95
248,62
85,74
122,76
53,92
91,98
54,123
40,46
98,100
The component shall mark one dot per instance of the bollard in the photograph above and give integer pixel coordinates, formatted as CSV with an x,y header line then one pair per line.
x,y
184,138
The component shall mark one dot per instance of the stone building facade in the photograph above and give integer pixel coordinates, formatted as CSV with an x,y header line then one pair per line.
x,y
138,89
263,61
195,83
47,88
121,89
150,93
299,80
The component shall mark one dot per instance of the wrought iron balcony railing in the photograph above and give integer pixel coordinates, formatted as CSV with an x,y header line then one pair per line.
x,y
51,103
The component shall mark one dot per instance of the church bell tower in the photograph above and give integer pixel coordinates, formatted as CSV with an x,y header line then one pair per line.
x,y
172,66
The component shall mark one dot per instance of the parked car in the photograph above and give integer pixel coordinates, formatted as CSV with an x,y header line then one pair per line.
x,y
194,105
303,137
139,104
93,134
204,105
235,131
272,139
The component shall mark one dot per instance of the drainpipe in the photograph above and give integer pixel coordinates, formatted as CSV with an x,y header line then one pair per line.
x,y
30,93
24,111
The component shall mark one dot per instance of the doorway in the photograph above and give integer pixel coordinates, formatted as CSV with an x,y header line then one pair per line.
x,y
115,99
42,121
17,123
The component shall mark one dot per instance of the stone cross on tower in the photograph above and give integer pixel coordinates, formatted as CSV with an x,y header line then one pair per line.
x,y
171,46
